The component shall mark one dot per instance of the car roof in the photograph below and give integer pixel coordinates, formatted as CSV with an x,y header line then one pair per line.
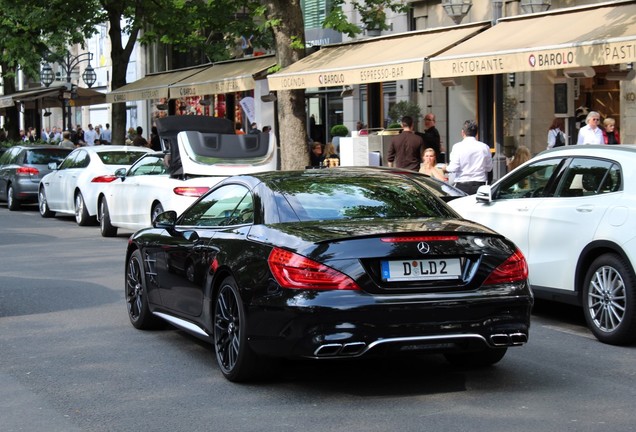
x,y
589,150
113,148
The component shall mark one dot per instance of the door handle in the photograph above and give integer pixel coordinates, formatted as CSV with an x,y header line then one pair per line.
x,y
585,208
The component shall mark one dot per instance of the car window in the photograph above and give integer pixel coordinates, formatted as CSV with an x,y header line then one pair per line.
x,y
17,157
120,157
81,160
330,198
530,181
149,165
69,161
221,207
9,156
588,176
46,156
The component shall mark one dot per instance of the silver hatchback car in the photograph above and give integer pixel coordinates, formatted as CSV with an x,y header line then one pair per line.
x,y
22,167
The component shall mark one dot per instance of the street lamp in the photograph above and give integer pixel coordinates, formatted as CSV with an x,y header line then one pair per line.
x,y
532,6
457,9
68,65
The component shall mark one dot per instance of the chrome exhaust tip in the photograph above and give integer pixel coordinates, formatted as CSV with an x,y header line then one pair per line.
x,y
328,350
518,338
500,339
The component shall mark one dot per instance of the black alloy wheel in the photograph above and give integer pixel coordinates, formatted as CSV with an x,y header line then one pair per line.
x,y
609,300
235,358
137,296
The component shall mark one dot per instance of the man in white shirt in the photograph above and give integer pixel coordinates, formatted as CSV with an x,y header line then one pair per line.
x,y
591,133
470,160
90,136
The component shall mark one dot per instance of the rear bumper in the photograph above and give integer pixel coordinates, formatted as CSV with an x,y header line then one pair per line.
x,y
456,325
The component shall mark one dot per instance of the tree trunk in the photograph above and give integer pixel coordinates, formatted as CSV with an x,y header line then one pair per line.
x,y
290,42
120,56
11,118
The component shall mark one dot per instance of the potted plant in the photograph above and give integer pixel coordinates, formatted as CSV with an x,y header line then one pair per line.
x,y
337,131
405,108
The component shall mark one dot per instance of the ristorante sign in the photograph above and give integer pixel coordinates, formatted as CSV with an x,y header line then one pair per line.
x,y
528,60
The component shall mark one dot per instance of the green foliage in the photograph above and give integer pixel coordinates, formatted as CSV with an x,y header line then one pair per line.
x,y
395,126
372,14
405,108
339,130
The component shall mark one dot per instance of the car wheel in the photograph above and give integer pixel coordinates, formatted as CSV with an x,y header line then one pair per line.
x,y
81,214
43,205
486,357
105,226
12,203
137,294
609,300
235,358
156,210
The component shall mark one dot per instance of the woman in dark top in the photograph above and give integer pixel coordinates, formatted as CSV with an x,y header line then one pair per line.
x,y
610,134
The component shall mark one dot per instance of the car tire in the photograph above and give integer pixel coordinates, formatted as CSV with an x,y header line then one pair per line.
x,y
609,300
235,358
12,203
137,295
81,214
156,210
486,357
43,205
105,226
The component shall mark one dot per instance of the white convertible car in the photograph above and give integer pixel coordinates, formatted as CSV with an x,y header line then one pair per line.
x,y
199,152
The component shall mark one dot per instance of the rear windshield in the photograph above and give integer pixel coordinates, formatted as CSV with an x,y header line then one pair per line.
x,y
330,198
119,157
46,156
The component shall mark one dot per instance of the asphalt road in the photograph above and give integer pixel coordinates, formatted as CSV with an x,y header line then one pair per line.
x,y
71,361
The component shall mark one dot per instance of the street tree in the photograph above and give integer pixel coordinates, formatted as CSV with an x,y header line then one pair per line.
x,y
30,31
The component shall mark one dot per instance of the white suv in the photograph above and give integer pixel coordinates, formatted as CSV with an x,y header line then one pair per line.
x,y
572,212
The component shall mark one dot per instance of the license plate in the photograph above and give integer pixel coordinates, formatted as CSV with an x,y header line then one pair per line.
x,y
426,269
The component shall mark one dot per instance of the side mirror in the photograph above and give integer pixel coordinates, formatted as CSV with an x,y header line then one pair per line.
x,y
52,166
484,194
166,220
120,173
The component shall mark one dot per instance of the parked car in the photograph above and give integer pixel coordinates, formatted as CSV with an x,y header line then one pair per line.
x,y
328,264
70,188
572,212
208,151
21,168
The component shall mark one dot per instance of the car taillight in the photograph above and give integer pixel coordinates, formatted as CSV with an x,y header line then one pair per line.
x,y
514,269
192,191
104,179
25,171
298,272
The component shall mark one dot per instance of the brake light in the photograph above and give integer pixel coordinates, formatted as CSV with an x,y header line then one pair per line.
x,y
298,272
190,191
104,179
420,238
25,171
514,269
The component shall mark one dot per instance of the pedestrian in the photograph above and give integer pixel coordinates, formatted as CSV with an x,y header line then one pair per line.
x,y
556,137
267,129
522,155
90,135
66,140
610,133
405,150
470,160
253,129
431,137
106,134
429,165
591,133
315,155
139,140
155,143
